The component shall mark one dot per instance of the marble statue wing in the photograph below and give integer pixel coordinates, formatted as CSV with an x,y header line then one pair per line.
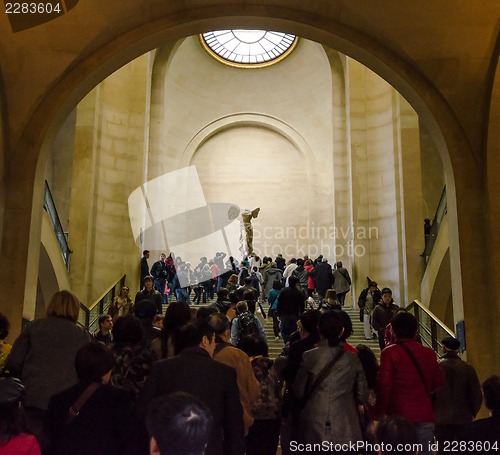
x,y
255,212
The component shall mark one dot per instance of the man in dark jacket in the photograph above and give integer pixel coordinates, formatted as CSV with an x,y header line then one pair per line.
x,y
147,296
280,262
159,271
323,276
382,315
290,307
458,402
144,266
195,372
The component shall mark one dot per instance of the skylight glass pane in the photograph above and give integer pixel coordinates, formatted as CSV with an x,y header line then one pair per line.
x,y
249,46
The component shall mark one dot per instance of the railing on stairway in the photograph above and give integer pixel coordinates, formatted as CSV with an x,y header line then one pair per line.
x,y
431,329
88,316
430,239
62,238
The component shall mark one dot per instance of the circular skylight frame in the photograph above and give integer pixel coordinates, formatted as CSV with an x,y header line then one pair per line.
x,y
248,48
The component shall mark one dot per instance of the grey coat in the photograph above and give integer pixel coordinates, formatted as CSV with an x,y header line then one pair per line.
x,y
331,413
43,357
270,275
341,280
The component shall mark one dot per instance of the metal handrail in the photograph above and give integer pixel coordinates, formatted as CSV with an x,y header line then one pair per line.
x,y
430,239
50,207
431,329
89,315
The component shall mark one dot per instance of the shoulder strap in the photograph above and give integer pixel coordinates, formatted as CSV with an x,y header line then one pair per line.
x,y
74,410
415,363
346,278
323,374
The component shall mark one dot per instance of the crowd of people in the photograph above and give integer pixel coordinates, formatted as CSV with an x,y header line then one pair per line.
x,y
185,379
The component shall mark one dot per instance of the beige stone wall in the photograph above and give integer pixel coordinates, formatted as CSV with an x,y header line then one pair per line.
x,y
60,168
374,184
433,180
108,161
410,198
238,123
386,185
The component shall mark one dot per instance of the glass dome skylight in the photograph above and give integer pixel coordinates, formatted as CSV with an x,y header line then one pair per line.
x,y
248,48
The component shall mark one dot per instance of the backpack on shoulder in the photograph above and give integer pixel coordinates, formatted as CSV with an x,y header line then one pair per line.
x,y
247,325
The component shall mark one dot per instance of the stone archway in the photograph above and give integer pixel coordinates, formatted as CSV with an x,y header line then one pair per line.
x,y
118,44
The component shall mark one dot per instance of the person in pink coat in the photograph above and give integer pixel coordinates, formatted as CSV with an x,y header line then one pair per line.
x,y
311,284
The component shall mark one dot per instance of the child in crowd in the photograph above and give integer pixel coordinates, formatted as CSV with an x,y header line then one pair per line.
x,y
14,439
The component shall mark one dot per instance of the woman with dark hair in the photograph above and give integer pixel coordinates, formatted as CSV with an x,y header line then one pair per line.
x,y
332,384
263,435
43,356
132,359
91,417
14,438
177,315
347,332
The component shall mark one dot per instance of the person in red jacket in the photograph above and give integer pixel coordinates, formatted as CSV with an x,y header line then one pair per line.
x,y
408,374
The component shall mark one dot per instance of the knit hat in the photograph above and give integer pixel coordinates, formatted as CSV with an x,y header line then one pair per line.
x,y
451,343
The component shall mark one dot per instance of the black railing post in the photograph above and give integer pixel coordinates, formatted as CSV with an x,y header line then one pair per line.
x,y
434,335
417,315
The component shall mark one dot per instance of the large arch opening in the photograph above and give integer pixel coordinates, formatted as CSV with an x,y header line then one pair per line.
x,y
421,95
358,137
